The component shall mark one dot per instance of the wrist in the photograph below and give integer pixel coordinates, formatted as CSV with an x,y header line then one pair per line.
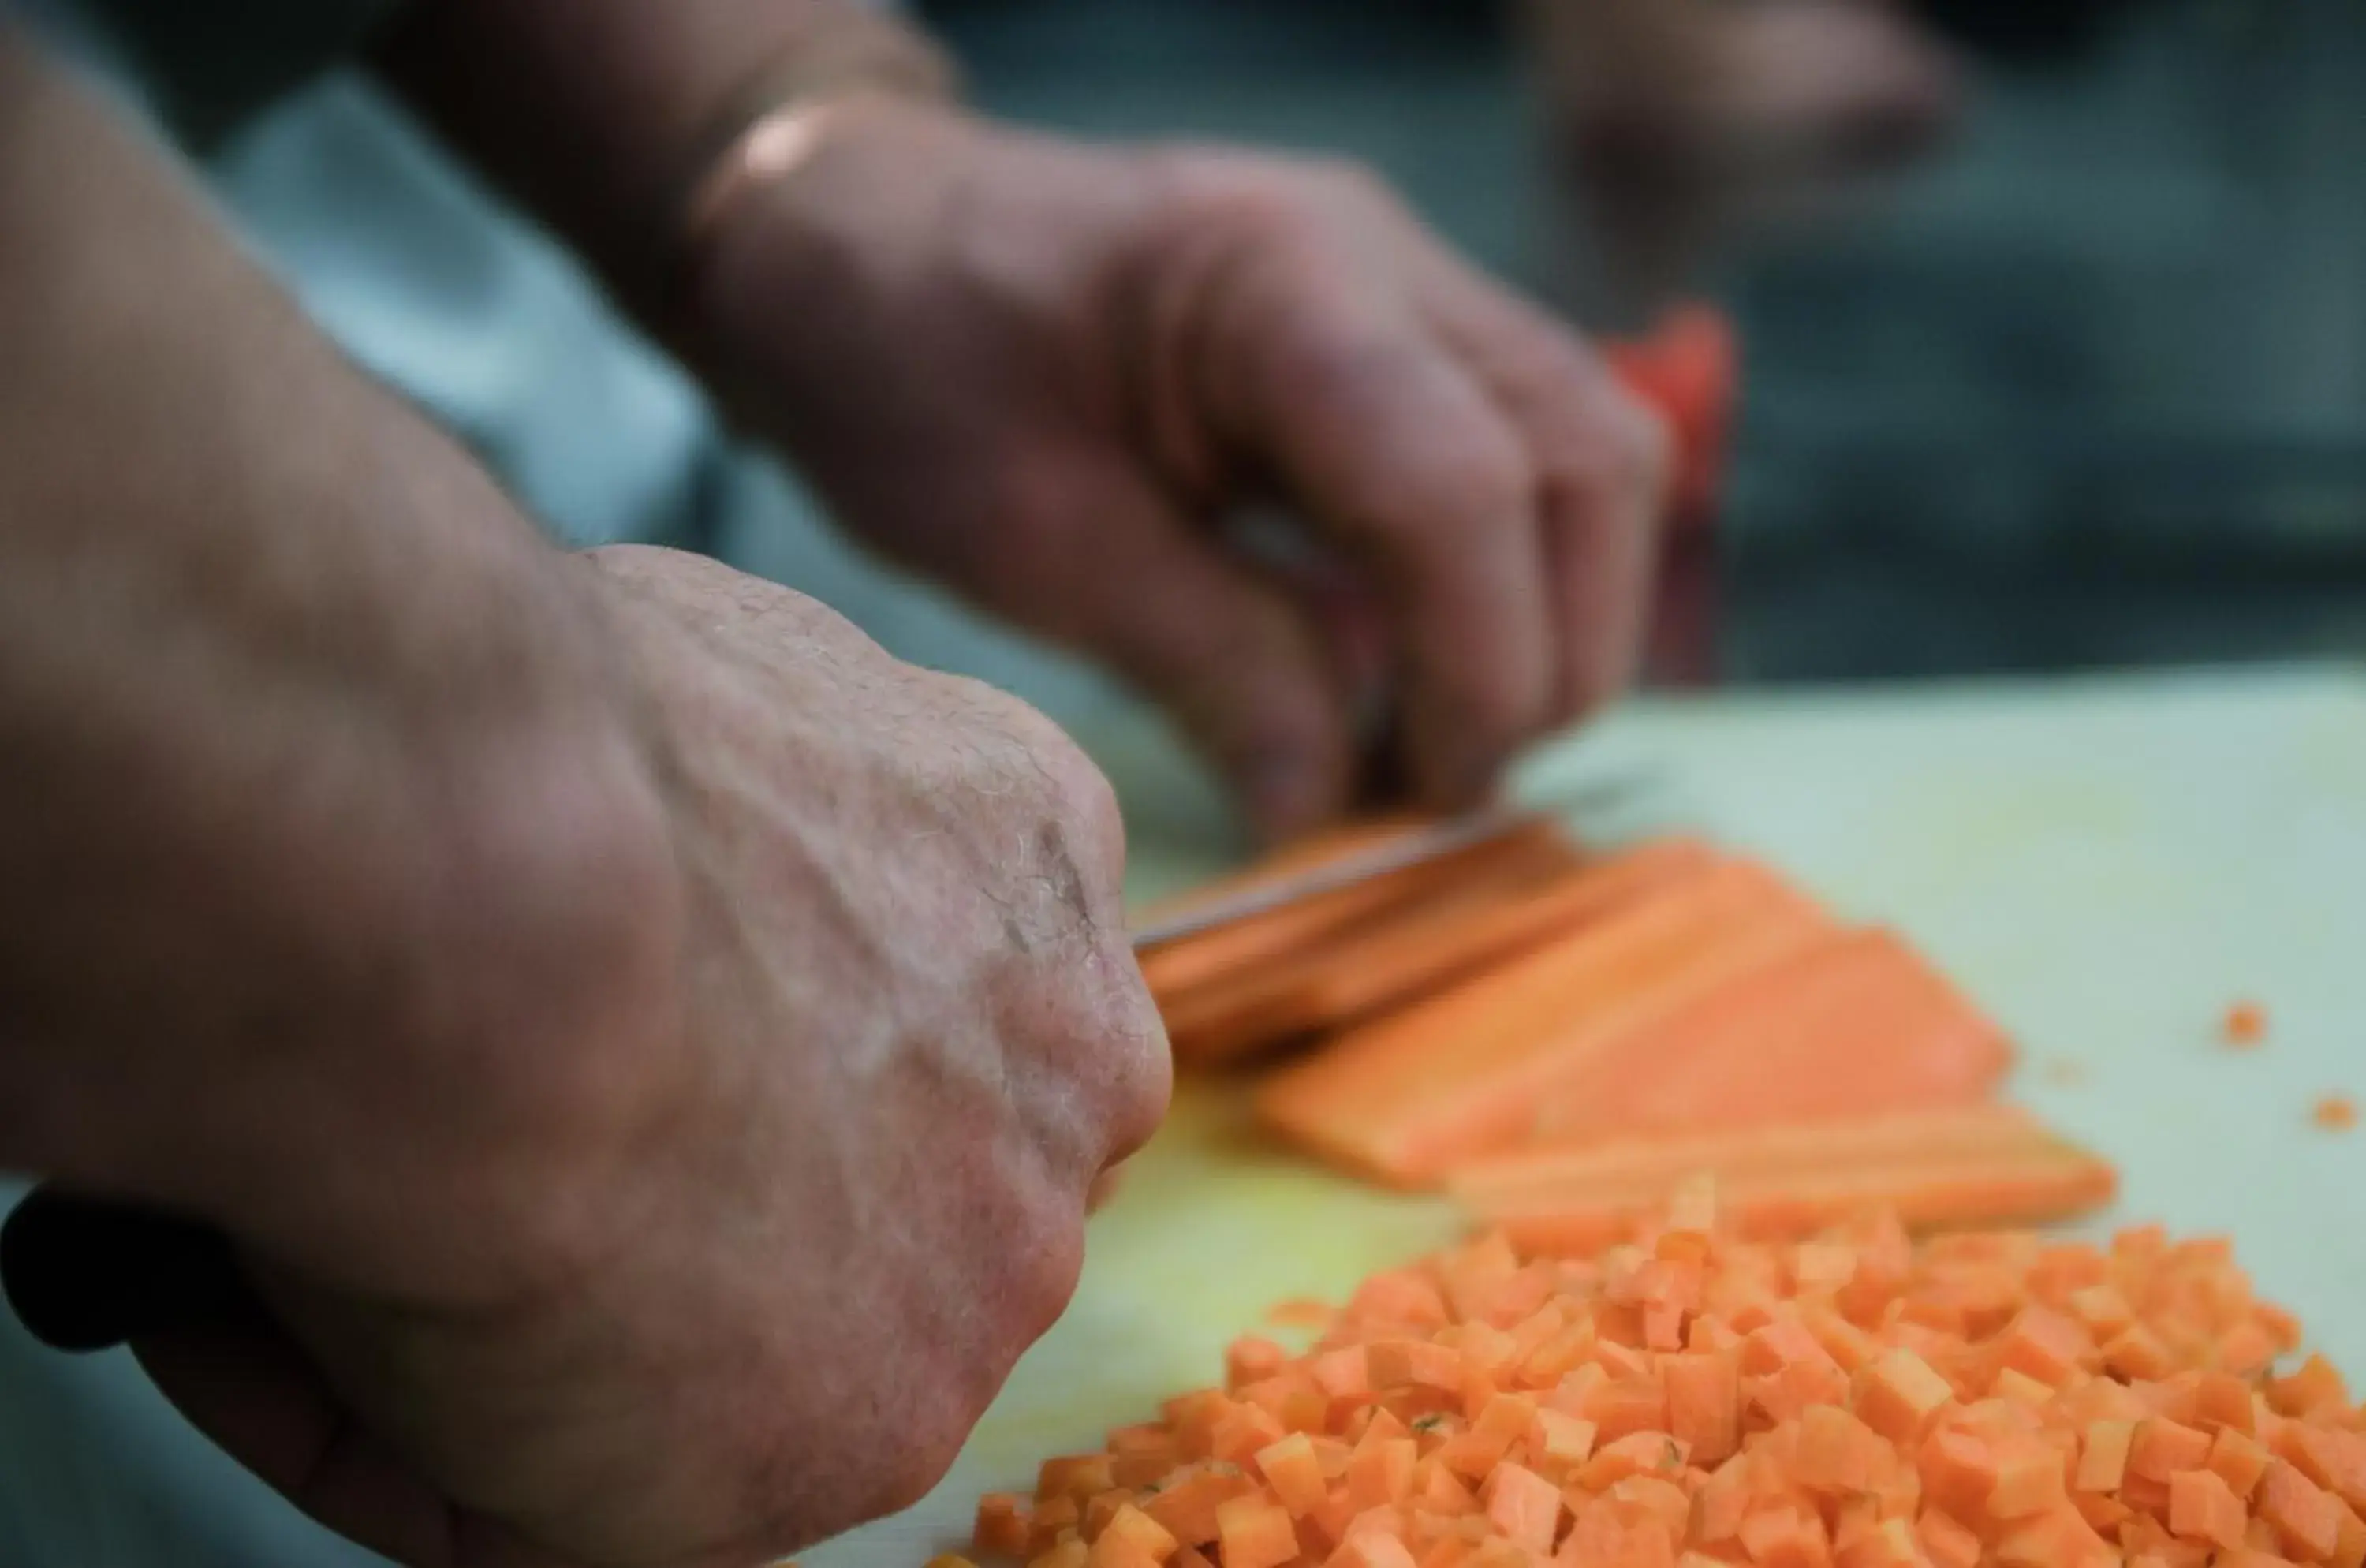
x,y
780,117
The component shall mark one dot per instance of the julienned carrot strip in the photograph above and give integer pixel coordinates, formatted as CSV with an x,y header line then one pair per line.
x,y
1173,966
1219,986
1489,914
1405,1096
1850,1401
1981,1164
1856,1024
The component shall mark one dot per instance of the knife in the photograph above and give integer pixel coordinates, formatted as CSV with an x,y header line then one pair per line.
x,y
1416,847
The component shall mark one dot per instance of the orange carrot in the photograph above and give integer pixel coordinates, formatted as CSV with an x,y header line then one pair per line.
x,y
1172,967
1854,1024
1490,912
2335,1114
1977,1164
1406,1097
1901,1405
2245,1025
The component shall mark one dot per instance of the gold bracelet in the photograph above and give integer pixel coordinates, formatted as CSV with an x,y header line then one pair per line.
x,y
775,123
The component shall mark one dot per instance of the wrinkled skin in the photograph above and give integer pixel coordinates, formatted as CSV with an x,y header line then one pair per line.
x,y
789,1228
1049,374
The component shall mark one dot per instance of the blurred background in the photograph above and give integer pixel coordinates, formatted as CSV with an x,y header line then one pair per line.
x,y
2052,313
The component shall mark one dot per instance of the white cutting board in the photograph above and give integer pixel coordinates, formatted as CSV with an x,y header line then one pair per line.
x,y
2106,864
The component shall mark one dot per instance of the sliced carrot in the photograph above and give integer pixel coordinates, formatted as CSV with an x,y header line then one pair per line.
x,y
1240,988
1492,911
1976,1164
1855,1023
1408,1096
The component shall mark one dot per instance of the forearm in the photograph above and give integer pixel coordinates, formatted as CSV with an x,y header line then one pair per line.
x,y
311,759
599,115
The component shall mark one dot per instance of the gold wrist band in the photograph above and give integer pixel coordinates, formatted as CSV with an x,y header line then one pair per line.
x,y
775,122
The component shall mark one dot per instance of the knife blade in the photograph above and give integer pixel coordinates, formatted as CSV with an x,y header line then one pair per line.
x,y
1423,845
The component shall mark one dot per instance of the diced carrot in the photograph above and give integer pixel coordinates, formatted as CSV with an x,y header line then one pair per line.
x,y
1251,1533
1187,1505
1076,1476
1132,1538
1704,1402
1066,1554
1976,1165
1002,1526
1381,1472
1383,1098
1899,1396
1837,1452
2245,1025
2029,1482
1561,1440
2306,1517
1294,1472
1372,1549
2103,1456
2202,1508
2335,1113
1250,1358
1524,1507
2315,1385
2161,1448
2238,1460
1947,1542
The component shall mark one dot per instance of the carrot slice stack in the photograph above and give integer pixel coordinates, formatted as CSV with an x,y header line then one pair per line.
x,y
1463,1072
1981,1164
1482,913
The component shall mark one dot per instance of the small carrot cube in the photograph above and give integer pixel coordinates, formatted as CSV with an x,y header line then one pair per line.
x,y
1291,1468
2201,1507
2103,1456
2239,1461
1002,1526
1561,1440
2161,1448
1066,1554
1898,1394
1380,1474
1251,1533
1524,1507
2044,1345
1947,1542
1079,1476
2304,1515
1703,1399
1399,1363
1131,1539
1372,1549
2029,1482
2244,1024
1837,1452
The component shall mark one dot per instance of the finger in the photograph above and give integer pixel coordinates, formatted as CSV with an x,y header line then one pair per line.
x,y
1330,379
1236,662
1603,461
249,1388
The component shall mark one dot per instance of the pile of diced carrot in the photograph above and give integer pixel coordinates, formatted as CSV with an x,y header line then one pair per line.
x,y
1684,1397
1556,1035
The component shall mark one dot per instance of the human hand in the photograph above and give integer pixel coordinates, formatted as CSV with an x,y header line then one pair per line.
x,y
743,1270
1048,374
